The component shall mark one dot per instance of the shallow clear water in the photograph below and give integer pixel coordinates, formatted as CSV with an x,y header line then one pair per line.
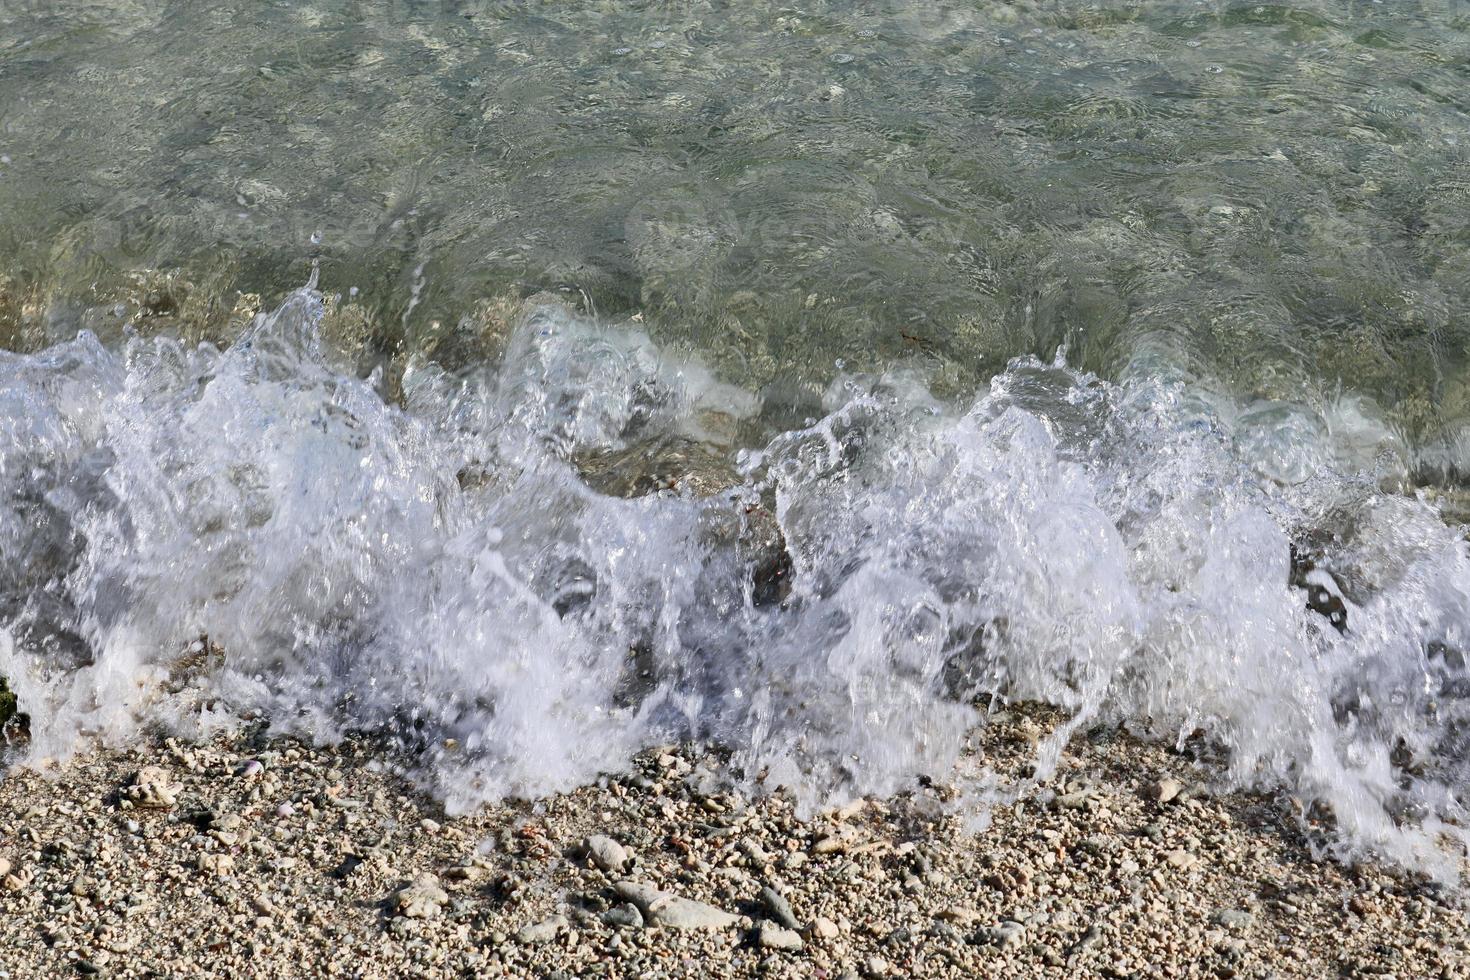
x,y
790,377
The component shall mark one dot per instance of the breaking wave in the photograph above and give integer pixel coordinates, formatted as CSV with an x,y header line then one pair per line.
x,y
527,572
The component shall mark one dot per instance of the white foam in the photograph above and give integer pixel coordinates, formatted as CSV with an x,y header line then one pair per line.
x,y
1123,552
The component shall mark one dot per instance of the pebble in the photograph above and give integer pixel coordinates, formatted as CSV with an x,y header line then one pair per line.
x,y
1234,919
1073,801
422,898
1166,790
771,936
958,914
217,864
624,916
672,911
753,850
824,928
466,872
283,901
777,909
604,852
544,931
152,787
1007,933
1180,859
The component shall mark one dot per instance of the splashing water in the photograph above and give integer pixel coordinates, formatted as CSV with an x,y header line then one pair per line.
x,y
442,569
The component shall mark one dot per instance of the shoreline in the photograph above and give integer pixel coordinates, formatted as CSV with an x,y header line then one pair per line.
x,y
242,855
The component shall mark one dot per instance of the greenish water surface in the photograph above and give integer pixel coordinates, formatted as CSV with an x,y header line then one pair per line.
x,y
1266,200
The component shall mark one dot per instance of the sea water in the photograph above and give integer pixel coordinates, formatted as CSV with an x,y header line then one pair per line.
x,y
806,381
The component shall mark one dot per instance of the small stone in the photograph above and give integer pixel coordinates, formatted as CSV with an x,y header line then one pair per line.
x,y
624,916
1088,939
1073,801
4,867
153,788
1166,790
876,966
467,872
824,928
1182,860
671,911
1234,919
830,844
771,936
958,914
1008,933
753,850
605,853
777,909
544,931
420,899
216,864
429,826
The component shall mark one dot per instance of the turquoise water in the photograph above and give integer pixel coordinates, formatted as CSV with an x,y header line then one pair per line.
x,y
796,377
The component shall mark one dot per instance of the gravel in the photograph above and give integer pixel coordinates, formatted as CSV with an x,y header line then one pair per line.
x,y
169,860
